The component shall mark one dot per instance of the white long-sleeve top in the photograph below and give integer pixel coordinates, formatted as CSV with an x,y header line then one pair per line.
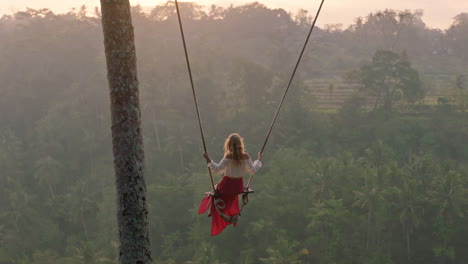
x,y
229,167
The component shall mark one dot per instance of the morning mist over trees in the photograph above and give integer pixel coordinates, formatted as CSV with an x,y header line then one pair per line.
x,y
367,163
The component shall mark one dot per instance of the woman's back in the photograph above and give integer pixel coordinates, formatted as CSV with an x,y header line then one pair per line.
x,y
235,168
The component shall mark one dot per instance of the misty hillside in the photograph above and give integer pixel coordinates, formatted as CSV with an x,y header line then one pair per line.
x,y
367,164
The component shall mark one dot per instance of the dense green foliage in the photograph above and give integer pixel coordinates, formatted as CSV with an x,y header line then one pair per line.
x,y
356,186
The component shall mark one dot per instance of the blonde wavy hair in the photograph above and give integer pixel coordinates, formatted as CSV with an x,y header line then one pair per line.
x,y
234,146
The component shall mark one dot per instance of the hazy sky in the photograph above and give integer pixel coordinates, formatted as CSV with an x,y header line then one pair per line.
x,y
438,13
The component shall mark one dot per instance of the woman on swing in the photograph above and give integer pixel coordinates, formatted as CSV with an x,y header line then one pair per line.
x,y
224,205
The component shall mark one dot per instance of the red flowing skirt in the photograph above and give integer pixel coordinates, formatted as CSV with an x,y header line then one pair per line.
x,y
227,203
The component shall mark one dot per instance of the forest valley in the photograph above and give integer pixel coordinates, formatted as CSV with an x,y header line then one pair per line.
x,y
376,177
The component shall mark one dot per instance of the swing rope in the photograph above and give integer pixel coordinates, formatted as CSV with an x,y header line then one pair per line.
x,y
193,90
289,85
280,104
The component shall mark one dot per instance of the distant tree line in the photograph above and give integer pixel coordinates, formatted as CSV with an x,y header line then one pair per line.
x,y
379,184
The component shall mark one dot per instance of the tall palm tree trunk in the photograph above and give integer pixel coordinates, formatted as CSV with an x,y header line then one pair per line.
x,y
132,213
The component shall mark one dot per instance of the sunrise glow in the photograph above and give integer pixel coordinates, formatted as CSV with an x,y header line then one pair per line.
x,y
436,13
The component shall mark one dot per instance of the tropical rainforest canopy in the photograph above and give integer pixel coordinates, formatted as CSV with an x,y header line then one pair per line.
x,y
367,164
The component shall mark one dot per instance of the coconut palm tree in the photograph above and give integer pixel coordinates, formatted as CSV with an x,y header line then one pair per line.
x,y
284,252
368,198
86,253
407,203
47,172
127,139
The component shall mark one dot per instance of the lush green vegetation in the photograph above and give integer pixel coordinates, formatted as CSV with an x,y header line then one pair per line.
x,y
364,184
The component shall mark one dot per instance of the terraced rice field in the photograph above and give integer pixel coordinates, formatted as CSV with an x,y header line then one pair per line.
x,y
329,94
